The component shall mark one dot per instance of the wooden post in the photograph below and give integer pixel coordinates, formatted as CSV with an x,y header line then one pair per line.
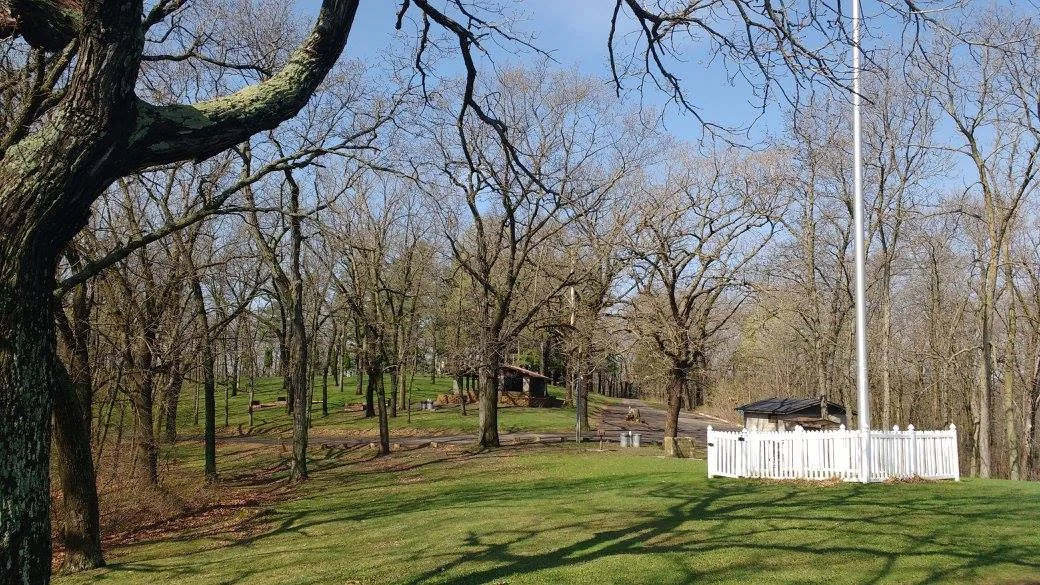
x,y
711,452
913,450
799,452
742,453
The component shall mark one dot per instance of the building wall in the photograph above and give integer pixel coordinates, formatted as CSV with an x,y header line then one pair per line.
x,y
759,422
765,422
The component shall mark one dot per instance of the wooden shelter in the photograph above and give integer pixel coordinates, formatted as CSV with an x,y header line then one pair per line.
x,y
530,386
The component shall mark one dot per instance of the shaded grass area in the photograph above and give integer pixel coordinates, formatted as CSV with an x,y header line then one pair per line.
x,y
345,417
570,514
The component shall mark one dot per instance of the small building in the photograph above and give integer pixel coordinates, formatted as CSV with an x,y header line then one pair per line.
x,y
517,386
784,414
522,387
517,379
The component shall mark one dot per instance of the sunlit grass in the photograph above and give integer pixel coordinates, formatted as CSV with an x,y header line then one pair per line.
x,y
345,419
570,514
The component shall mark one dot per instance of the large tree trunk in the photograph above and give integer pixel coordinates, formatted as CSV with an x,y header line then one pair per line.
x,y
47,184
487,394
29,378
677,382
78,508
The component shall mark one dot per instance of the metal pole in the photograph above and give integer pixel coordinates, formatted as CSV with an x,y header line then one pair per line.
x,y
861,287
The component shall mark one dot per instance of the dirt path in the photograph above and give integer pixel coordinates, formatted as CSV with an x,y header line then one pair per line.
x,y
609,423
691,424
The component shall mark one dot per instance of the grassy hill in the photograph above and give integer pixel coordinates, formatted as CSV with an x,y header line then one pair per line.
x,y
565,514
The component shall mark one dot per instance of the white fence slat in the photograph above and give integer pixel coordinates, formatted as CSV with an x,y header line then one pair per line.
x,y
833,454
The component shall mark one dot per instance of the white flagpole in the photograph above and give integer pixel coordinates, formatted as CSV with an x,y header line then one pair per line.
x,y
861,287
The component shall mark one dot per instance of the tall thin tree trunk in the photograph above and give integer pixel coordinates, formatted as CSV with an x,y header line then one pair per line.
x,y
985,372
457,385
1010,371
885,360
208,367
236,359
141,398
1034,419
325,383
377,389
299,384
172,397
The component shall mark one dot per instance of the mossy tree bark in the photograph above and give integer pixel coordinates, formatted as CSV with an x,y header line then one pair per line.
x,y
96,133
47,182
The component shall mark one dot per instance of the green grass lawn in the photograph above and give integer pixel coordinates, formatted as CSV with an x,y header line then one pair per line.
x,y
571,514
344,421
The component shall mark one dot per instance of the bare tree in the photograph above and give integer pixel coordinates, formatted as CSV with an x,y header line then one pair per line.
x,y
982,92
574,155
698,233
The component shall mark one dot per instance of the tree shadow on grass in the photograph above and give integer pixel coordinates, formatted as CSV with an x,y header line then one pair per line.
x,y
721,530
758,527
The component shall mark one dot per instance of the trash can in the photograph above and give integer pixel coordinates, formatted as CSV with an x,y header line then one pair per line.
x,y
624,440
636,439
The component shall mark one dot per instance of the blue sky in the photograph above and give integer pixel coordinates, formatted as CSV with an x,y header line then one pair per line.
x,y
575,32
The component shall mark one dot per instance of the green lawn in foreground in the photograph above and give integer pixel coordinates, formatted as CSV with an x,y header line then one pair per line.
x,y
449,420
569,514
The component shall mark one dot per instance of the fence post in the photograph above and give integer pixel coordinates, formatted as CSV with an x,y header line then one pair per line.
x,y
799,457
913,450
956,455
711,453
741,453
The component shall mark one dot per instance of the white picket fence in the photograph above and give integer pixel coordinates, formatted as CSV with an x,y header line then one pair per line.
x,y
802,454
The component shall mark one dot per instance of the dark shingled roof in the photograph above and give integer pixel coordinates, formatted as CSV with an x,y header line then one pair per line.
x,y
788,406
